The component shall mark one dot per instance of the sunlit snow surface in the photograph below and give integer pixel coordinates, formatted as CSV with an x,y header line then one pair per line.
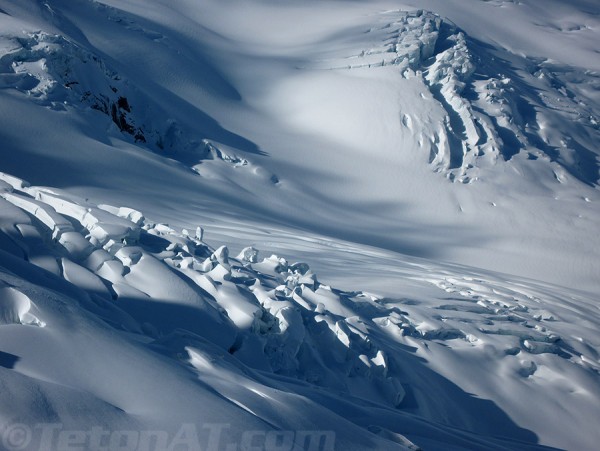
x,y
285,225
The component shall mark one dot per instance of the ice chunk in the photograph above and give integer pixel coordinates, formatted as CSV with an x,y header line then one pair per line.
x,y
248,254
76,245
45,213
60,204
13,181
221,255
130,214
129,255
84,279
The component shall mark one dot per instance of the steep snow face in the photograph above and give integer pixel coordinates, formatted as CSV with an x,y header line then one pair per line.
x,y
373,141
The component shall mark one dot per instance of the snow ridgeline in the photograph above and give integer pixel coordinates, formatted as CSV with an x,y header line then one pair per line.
x,y
173,289
497,104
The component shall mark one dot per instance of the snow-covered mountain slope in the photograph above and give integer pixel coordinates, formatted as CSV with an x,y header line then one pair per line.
x,y
101,308
434,162
252,79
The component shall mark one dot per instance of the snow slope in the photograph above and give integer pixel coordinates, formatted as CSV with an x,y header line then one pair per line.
x,y
436,167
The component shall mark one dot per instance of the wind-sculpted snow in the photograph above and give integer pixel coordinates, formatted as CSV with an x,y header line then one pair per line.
x,y
497,104
175,293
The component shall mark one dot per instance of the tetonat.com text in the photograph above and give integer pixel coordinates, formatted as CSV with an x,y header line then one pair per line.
x,y
189,437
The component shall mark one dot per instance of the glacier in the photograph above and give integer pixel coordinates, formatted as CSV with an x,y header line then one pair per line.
x,y
299,225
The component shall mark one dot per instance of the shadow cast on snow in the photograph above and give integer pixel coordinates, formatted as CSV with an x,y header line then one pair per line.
x,y
460,421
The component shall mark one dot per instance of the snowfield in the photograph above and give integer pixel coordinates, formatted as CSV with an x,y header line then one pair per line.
x,y
299,225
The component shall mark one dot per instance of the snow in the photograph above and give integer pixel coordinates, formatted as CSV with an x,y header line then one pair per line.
x,y
371,224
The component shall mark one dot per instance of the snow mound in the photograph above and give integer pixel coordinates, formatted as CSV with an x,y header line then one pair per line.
x,y
16,308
